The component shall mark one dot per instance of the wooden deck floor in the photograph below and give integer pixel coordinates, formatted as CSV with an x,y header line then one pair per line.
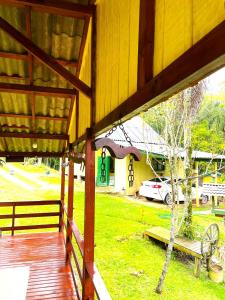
x,y
44,254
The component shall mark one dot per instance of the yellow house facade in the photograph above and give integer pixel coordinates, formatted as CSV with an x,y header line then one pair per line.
x,y
153,163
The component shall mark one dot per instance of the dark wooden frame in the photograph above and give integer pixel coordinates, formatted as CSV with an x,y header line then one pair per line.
x,y
62,193
146,42
37,117
89,218
25,57
69,209
38,90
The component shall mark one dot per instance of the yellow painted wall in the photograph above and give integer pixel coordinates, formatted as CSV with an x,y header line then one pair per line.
x,y
179,24
72,128
142,171
117,53
84,102
116,61
85,75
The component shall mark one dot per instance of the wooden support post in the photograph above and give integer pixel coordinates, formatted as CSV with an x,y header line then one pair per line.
x,y
213,202
89,218
70,209
62,196
197,268
13,219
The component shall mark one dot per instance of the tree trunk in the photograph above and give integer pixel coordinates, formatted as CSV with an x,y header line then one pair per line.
x,y
169,250
173,162
187,226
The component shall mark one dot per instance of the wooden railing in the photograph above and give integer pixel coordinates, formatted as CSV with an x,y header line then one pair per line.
x,y
14,215
72,235
98,283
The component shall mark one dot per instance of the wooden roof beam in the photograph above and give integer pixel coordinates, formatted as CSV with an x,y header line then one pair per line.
x,y
56,7
30,68
45,136
146,42
38,90
31,154
45,58
25,57
37,117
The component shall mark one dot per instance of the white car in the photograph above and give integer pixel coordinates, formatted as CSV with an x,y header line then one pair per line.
x,y
160,189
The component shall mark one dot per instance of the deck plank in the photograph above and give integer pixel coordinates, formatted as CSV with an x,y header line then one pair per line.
x,y
44,253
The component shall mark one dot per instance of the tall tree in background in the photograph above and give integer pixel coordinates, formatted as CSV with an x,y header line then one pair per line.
x,y
208,128
192,99
173,119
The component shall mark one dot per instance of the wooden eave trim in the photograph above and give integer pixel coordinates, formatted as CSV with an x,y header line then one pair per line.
x,y
38,90
44,57
31,154
45,136
56,7
204,58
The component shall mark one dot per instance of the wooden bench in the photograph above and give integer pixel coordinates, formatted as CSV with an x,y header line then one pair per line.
x,y
187,246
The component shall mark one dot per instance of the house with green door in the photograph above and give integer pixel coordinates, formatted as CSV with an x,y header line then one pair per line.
x,y
153,147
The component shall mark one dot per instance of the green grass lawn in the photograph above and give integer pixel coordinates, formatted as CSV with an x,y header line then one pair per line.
x,y
129,264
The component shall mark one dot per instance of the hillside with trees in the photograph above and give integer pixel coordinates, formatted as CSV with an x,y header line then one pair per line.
x,y
208,129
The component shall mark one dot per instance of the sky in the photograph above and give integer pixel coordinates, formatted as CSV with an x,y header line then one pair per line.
x,y
216,81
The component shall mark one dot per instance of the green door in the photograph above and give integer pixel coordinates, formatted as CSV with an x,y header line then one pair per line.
x,y
107,169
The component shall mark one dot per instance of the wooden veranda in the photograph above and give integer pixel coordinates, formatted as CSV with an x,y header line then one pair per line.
x,y
69,69
49,277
